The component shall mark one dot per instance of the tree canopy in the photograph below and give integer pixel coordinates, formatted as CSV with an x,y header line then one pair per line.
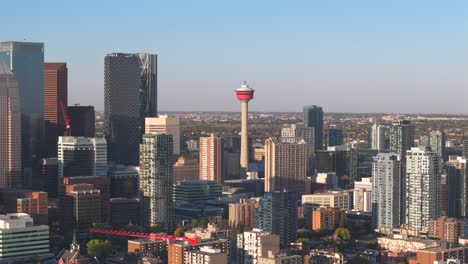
x,y
98,248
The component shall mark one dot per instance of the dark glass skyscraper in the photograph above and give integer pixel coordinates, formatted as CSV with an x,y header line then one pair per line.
x,y
82,121
130,95
26,60
334,137
313,117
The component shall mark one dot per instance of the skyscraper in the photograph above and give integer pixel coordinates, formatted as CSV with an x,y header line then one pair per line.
x,y
26,60
130,95
465,148
156,181
82,121
377,136
457,181
211,158
386,178
285,165
334,137
437,143
80,156
401,137
55,93
313,117
277,213
165,125
423,193
10,130
293,132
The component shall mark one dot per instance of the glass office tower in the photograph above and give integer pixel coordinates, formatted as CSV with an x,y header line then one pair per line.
x,y
130,95
26,60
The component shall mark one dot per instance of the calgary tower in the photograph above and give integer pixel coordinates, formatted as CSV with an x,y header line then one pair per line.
x,y
244,95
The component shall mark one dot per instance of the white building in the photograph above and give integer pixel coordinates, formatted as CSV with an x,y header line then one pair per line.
x,y
81,156
386,183
205,255
20,238
362,195
377,136
334,199
255,244
165,125
423,187
328,178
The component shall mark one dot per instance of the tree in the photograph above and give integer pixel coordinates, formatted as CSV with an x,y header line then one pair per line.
x,y
178,230
342,233
156,228
98,248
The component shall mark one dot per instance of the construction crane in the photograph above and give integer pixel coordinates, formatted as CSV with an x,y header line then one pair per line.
x,y
151,236
66,119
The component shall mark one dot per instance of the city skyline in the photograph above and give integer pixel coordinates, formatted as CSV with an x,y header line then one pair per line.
x,y
343,59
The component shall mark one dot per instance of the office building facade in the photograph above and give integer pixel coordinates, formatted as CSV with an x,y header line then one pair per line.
x,y
80,156
334,137
130,95
165,125
55,94
26,60
313,117
10,130
82,121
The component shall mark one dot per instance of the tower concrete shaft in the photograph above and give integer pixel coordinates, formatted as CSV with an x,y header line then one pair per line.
x,y
244,158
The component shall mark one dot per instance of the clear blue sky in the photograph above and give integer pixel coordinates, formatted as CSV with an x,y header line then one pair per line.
x,y
348,55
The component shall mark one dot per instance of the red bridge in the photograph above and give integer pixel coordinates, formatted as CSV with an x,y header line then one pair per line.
x,y
151,236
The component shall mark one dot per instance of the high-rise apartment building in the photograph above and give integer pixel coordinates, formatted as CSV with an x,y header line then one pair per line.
x,y
377,136
49,177
437,143
401,137
10,129
293,132
277,213
423,190
211,158
55,94
156,180
386,178
130,95
456,192
285,165
82,121
26,60
165,125
80,156
313,117
334,137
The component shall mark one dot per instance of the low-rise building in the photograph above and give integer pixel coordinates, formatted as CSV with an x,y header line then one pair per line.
x,y
441,254
205,255
327,218
446,228
280,258
334,199
398,244
20,238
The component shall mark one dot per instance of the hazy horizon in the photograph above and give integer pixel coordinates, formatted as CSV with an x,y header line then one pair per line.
x,y
346,56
